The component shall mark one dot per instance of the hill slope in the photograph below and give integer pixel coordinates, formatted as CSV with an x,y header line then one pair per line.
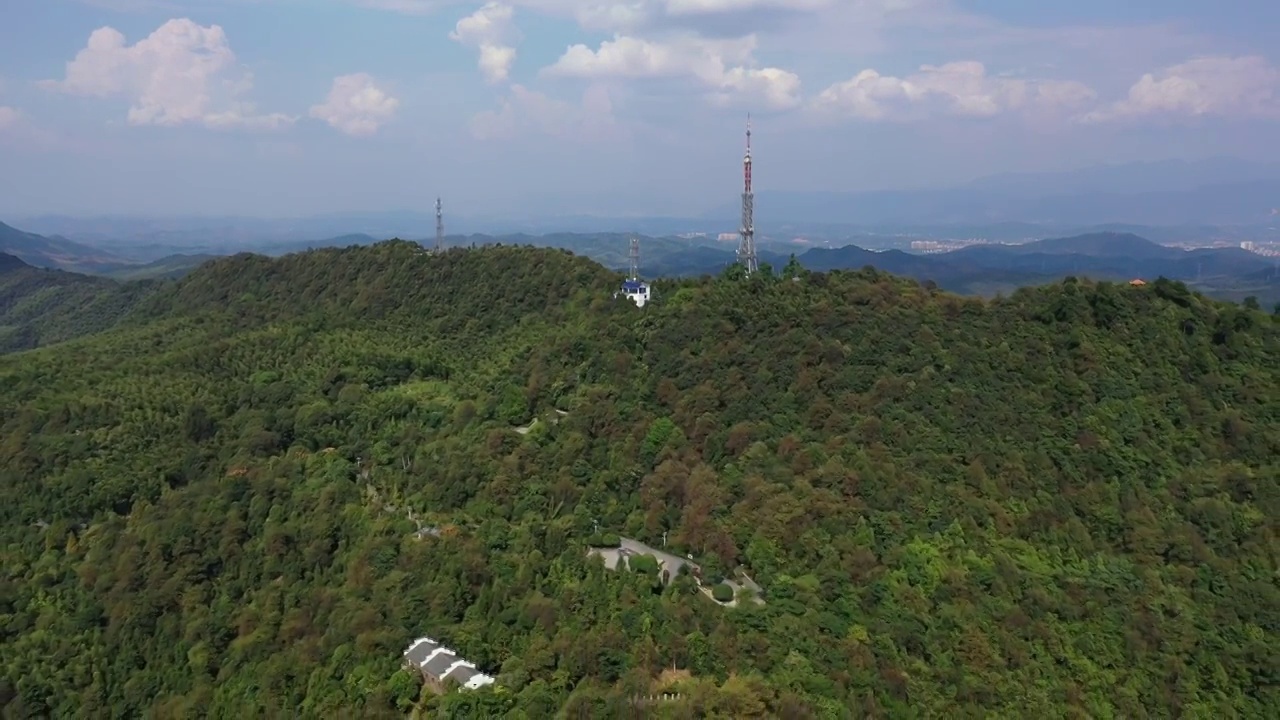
x,y
41,307
52,252
1059,504
169,267
1098,245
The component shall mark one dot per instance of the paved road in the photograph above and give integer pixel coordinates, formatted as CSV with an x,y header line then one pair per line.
x,y
670,563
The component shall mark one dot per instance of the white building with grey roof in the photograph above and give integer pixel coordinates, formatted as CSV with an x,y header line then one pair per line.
x,y
438,663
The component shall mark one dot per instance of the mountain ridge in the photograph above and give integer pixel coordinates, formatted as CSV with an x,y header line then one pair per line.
x,y
218,507
51,252
983,270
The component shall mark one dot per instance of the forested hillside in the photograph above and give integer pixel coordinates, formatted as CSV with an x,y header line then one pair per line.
x,y
42,307
1058,504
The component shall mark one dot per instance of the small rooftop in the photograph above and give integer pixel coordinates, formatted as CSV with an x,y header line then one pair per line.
x,y
438,663
420,650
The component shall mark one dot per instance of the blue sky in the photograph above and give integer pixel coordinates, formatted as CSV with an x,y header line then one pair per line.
x,y
293,107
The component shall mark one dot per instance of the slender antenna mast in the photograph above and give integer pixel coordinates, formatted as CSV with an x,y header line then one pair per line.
x,y
747,248
635,258
439,227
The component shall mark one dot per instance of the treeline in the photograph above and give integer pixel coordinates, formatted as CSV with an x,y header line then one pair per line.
x,y
1059,503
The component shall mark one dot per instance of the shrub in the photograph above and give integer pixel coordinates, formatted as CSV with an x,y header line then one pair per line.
x,y
643,564
722,592
605,540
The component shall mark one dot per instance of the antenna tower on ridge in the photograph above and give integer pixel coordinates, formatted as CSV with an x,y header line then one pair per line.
x,y
635,258
747,248
439,226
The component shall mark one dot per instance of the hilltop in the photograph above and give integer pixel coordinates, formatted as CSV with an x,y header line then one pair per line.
x,y
1052,504
983,270
1104,244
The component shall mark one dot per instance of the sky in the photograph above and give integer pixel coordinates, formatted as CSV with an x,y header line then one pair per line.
x,y
280,108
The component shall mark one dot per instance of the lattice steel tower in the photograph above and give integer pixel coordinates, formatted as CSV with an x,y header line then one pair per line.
x,y
747,248
635,258
439,227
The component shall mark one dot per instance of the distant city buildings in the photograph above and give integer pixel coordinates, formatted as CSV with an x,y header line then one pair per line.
x,y
1263,249
928,247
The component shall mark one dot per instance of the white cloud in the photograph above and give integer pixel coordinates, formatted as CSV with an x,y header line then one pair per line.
x,y
135,6
720,66
8,117
356,105
490,30
957,88
1240,87
524,109
708,7
183,73
408,7
632,15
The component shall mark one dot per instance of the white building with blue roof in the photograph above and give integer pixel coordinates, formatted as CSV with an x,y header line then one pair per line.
x,y
636,290
633,288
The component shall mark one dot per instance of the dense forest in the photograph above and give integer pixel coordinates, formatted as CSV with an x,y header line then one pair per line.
x,y
1060,503
42,307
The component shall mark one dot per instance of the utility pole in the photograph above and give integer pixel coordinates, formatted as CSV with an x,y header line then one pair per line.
x,y
747,248
439,226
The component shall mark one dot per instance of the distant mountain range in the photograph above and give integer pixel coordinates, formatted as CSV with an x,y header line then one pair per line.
x,y
53,251
39,305
1165,201
1227,273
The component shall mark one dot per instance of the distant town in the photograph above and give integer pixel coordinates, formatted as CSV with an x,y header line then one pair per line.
x,y
929,247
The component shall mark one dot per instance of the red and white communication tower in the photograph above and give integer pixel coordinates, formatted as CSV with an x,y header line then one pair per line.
x,y
747,248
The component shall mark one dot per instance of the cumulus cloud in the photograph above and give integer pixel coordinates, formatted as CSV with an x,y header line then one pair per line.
x,y
528,110
621,15
635,15
723,67
958,88
8,117
491,31
356,105
707,7
408,7
1241,87
183,73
